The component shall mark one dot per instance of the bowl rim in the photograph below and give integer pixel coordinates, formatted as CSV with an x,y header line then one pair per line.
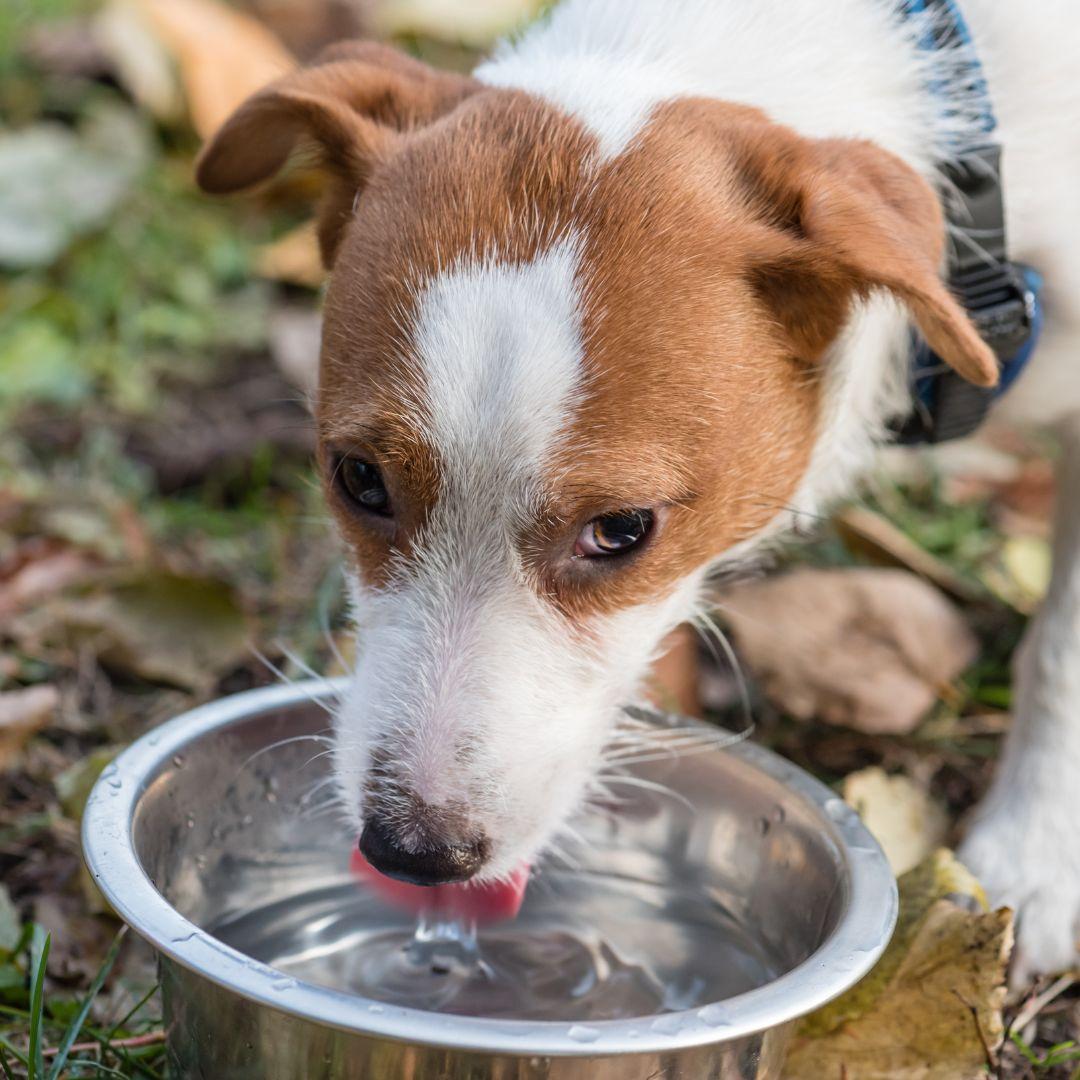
x,y
854,945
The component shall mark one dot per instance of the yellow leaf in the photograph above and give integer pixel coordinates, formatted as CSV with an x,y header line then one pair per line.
x,y
1028,560
905,820
932,1004
469,22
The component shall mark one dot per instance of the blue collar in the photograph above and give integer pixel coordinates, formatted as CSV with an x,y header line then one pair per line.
x,y
1001,297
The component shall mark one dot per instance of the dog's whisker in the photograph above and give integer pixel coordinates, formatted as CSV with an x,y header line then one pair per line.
x,y
325,739
294,658
708,625
649,785
274,669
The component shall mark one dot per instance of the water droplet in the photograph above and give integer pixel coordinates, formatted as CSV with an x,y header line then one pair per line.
x,y
376,1009
837,810
178,760
189,821
778,814
714,1016
282,984
668,1024
764,825
583,1033
116,783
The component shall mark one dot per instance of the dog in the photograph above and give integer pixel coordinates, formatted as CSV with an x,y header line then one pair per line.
x,y
615,311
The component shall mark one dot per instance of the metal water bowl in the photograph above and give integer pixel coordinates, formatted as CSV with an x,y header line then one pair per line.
x,y
205,821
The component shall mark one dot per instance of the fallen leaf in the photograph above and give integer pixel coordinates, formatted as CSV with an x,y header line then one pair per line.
x,y
1028,561
223,56
293,258
931,1006
56,183
140,60
176,630
42,569
905,820
22,714
878,540
295,337
862,648
10,923
74,784
477,23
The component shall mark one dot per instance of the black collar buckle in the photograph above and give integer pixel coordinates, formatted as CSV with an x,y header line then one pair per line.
x,y
996,293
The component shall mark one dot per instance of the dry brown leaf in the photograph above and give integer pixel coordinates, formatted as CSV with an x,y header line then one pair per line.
x,y
907,823
932,1006
293,258
862,648
222,55
295,336
41,573
22,714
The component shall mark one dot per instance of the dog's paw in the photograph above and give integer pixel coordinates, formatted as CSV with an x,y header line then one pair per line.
x,y
1028,858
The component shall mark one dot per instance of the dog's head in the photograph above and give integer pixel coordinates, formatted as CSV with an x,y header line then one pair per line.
x,y
555,387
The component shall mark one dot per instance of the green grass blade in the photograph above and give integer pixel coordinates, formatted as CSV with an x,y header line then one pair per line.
x,y
102,1070
39,956
8,1074
122,1022
79,1018
15,1052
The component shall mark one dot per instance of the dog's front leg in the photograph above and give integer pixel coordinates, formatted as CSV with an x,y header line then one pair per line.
x,y
1024,843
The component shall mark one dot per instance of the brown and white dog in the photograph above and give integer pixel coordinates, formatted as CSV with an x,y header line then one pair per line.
x,y
613,312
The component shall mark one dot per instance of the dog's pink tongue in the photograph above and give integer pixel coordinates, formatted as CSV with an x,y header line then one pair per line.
x,y
487,902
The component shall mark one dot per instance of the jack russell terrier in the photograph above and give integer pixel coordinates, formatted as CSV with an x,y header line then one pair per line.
x,y
616,310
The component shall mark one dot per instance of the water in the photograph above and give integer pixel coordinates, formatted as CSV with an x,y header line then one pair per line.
x,y
585,947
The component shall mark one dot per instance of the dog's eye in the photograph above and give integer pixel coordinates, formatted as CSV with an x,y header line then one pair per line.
x,y
363,484
612,534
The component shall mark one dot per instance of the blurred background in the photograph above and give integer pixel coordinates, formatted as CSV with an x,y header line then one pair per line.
x,y
163,539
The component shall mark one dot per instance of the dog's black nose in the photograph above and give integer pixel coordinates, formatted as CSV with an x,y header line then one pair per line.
x,y
436,864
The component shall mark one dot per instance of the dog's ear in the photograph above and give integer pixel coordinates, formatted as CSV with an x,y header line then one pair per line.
x,y
846,219
352,106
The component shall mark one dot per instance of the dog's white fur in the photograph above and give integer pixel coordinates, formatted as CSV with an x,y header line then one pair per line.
x,y
467,652
466,676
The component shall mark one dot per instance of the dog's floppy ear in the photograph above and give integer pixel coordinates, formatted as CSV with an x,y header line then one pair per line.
x,y
847,219
351,106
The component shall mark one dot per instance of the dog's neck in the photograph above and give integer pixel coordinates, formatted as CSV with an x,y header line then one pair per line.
x,y
609,62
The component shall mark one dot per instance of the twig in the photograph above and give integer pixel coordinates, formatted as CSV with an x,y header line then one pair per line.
x,y
130,1043
1035,1005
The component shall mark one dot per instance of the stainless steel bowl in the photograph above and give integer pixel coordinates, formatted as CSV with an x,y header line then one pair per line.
x,y
203,820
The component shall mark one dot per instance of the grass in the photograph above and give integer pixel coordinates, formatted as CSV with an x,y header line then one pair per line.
x,y
42,1040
